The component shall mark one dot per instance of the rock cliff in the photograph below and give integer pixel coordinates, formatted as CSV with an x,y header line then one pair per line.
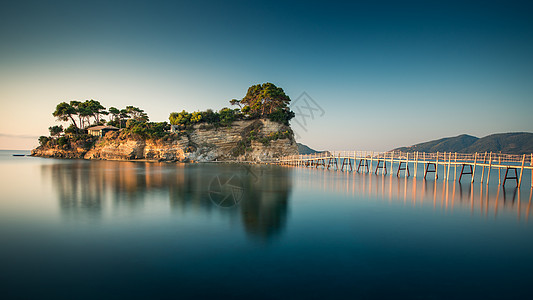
x,y
252,140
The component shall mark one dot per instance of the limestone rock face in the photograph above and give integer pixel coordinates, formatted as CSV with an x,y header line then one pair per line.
x,y
253,140
234,143
59,152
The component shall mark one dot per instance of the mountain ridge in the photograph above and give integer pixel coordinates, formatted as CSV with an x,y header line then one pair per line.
x,y
511,143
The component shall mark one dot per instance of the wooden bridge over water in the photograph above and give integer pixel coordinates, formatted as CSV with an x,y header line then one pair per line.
x,y
432,163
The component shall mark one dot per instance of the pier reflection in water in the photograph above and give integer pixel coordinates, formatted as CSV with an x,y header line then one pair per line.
x,y
256,195
446,196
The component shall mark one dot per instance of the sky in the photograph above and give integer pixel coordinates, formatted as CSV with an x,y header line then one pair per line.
x,y
375,74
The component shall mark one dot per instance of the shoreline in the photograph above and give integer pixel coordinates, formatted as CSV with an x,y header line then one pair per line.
x,y
163,161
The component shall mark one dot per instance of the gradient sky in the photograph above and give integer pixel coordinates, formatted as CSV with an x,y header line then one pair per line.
x,y
386,74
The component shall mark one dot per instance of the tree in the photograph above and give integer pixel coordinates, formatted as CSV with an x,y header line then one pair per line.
x,y
65,112
228,115
43,140
55,130
123,117
72,130
211,117
115,115
182,118
83,112
136,113
87,109
236,102
196,117
262,100
95,109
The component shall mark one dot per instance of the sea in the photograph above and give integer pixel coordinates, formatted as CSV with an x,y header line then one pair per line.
x,y
79,229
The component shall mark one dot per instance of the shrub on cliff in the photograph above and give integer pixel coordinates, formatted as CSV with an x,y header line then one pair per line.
x,y
62,141
228,115
224,117
72,130
43,140
211,117
150,130
281,116
183,118
55,130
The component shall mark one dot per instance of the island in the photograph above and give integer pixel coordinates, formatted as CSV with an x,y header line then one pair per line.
x,y
257,131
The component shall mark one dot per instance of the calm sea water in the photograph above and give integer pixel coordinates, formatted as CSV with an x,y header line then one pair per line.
x,y
74,229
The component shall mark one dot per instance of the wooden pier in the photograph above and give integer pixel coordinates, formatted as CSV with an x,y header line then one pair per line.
x,y
433,164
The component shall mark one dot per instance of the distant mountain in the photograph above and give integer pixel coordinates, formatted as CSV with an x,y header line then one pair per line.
x,y
511,143
449,144
304,149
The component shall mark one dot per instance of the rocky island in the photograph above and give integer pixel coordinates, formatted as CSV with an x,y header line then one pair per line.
x,y
257,131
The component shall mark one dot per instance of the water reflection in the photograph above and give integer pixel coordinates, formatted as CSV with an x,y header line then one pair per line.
x,y
98,189
447,196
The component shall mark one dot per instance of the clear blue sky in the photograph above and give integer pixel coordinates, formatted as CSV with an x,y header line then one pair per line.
x,y
387,74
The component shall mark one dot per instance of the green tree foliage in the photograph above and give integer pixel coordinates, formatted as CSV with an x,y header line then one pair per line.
x,y
84,111
147,129
62,141
182,118
119,117
261,101
96,109
236,102
116,119
72,130
211,117
228,115
136,114
65,112
43,140
196,117
55,130
266,100
281,116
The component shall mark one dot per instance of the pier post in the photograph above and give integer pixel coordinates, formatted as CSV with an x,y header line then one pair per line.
x,y
437,166
449,165
407,164
406,169
506,177
521,170
444,169
474,171
499,170
371,160
483,168
392,163
416,163
463,171
379,166
490,167
425,164
354,159
455,167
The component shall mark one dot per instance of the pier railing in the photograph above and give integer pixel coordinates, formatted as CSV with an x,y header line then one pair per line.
x,y
344,160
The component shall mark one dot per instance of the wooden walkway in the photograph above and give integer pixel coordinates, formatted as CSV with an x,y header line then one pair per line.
x,y
386,163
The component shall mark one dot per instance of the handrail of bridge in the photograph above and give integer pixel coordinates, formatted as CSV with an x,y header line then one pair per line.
x,y
420,156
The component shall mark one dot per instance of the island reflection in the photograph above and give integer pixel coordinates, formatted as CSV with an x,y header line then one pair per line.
x,y
90,190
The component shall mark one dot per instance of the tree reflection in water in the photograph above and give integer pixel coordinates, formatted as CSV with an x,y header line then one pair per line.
x,y
91,190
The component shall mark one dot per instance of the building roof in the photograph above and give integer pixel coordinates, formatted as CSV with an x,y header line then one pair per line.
x,y
102,127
